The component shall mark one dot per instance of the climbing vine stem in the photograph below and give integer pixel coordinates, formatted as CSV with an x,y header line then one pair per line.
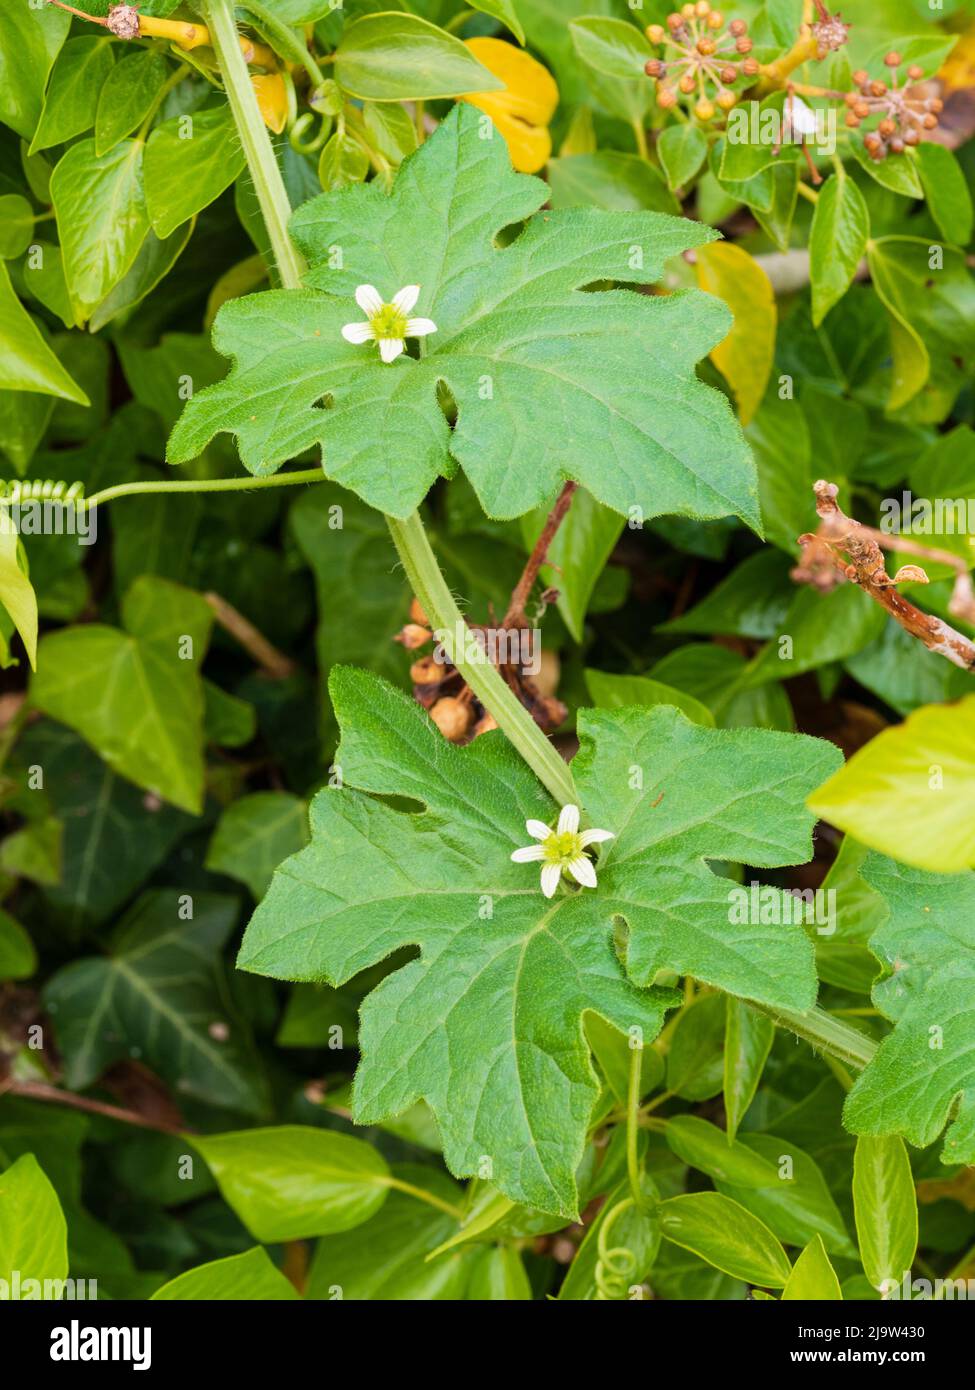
x,y
413,546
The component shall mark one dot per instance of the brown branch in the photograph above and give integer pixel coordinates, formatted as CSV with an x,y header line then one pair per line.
x,y
273,662
822,565
39,1090
515,615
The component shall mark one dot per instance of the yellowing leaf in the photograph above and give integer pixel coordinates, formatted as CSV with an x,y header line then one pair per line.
x,y
744,358
522,111
272,98
958,70
911,791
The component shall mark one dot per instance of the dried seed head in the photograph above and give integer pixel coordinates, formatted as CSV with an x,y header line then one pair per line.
x,y
706,47
715,20
737,27
743,45
930,121
666,98
417,614
702,9
726,100
750,67
729,74
861,77
674,21
878,89
123,21
897,145
655,33
452,717
653,68
852,121
687,84
862,109
915,72
704,110
893,59
886,126
911,137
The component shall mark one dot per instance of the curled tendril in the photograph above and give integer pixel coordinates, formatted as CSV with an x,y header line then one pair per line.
x,y
301,125
616,1265
40,490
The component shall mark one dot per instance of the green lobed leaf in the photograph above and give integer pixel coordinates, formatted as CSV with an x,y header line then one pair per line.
x,y
444,880
923,1074
517,343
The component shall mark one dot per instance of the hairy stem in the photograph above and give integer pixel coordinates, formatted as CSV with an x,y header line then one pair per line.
x,y
824,1032
409,536
109,494
268,183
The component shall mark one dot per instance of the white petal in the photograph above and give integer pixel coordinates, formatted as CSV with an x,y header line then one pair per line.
x,y
528,854
369,300
583,872
568,820
406,299
419,328
550,879
596,837
803,117
390,348
357,332
537,829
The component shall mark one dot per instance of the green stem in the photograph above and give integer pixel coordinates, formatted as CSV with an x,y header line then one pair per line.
x,y
824,1032
437,602
423,1196
640,135
109,494
283,41
268,183
410,539
633,1122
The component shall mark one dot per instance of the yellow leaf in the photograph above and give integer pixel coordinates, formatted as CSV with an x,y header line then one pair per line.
x,y
958,69
744,358
521,112
272,98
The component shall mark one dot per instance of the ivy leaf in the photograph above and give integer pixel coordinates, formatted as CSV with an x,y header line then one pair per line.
x,y
158,995
136,696
486,1025
926,1064
519,346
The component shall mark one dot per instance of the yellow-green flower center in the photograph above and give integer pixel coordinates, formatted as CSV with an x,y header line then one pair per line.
x,y
390,322
562,849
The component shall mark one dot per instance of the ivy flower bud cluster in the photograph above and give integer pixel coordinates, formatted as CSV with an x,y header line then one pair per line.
x,y
906,113
703,57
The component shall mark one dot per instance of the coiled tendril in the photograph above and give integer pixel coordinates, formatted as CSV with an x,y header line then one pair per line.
x,y
616,1265
40,490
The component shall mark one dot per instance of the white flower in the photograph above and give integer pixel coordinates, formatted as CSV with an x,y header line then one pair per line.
x,y
801,117
387,324
562,849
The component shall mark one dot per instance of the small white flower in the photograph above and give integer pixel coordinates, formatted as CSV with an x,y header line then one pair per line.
x,y
801,117
561,850
387,324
